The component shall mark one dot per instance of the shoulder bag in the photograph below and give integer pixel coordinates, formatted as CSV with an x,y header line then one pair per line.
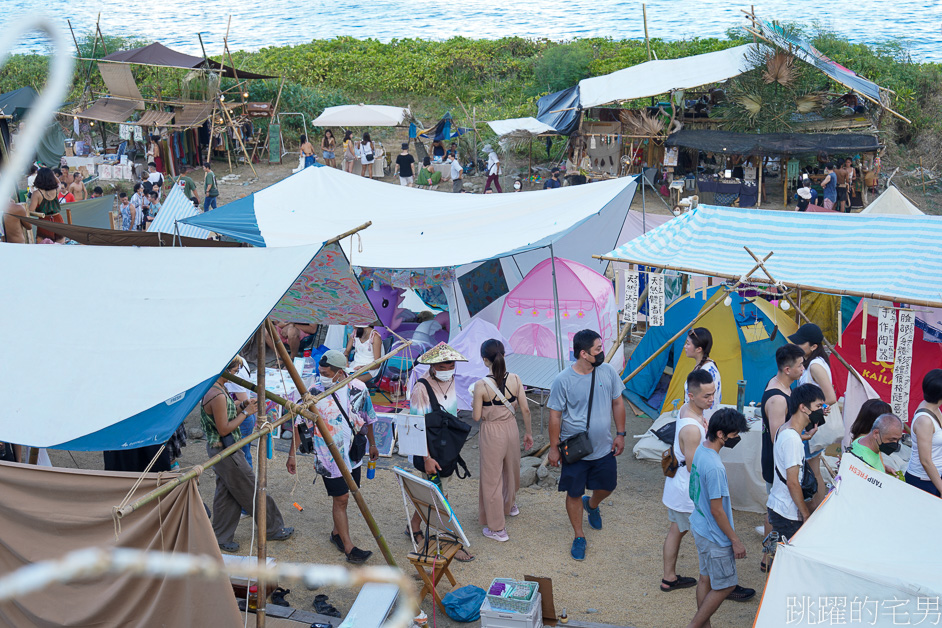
x,y
500,395
358,445
578,446
809,482
446,435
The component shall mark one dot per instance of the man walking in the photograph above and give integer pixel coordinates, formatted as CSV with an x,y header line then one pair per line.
x,y
689,433
347,413
406,161
586,397
210,191
457,183
711,522
493,169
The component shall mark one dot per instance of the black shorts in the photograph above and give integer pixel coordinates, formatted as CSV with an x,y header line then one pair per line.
x,y
337,487
601,474
841,194
786,528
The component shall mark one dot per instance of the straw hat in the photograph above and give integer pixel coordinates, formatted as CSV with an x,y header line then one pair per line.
x,y
441,353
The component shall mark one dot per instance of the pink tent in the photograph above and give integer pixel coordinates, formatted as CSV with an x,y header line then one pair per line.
x,y
586,301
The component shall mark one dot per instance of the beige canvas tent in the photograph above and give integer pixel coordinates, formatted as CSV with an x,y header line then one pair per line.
x,y
892,201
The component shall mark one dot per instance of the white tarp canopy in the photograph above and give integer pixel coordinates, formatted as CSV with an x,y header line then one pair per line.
x,y
828,571
892,201
522,126
413,228
660,77
362,115
119,362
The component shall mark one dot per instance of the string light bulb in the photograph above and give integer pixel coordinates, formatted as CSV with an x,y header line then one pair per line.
x,y
222,98
245,94
786,306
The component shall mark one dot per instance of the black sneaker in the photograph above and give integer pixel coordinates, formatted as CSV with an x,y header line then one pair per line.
x,y
742,594
336,540
358,556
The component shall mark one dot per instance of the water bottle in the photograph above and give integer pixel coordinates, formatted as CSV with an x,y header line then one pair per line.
x,y
371,470
308,367
434,479
740,394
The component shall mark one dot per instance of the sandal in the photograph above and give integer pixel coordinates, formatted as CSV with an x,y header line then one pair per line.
x,y
680,582
282,535
278,597
763,567
467,557
416,536
231,546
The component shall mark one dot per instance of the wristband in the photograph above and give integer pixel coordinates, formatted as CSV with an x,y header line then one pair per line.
x,y
621,433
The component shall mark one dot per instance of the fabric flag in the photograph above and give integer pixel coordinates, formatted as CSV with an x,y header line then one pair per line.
x,y
629,313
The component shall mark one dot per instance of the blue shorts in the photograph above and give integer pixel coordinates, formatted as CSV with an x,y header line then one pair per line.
x,y
308,161
600,474
921,484
328,154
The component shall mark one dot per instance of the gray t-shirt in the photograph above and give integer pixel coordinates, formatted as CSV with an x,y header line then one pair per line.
x,y
570,396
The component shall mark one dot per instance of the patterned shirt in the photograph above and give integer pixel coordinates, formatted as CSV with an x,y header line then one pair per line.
x,y
209,425
359,408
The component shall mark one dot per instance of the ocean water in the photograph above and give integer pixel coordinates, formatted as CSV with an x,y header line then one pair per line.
x,y
260,23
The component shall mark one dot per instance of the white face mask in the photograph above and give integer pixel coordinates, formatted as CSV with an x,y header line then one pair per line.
x,y
326,382
444,376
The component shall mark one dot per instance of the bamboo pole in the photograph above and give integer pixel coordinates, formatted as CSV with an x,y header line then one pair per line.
x,y
261,461
801,313
336,455
345,234
238,136
702,313
762,280
295,408
647,41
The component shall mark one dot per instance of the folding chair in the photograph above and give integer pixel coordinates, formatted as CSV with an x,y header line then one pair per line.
x,y
433,559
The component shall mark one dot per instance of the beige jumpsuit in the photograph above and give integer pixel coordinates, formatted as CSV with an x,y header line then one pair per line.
x,y
499,446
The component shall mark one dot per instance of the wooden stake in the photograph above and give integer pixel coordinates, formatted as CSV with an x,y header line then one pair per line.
x,y
335,453
922,173
647,42
261,460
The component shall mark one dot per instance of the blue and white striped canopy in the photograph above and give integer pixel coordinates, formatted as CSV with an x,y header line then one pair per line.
x,y
890,257
175,208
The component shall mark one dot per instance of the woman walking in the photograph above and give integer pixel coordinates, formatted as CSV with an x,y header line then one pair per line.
x,y
367,156
329,146
496,398
44,203
220,418
349,151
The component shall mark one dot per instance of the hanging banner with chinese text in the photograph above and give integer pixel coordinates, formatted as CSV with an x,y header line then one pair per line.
x,y
886,330
903,364
656,300
629,312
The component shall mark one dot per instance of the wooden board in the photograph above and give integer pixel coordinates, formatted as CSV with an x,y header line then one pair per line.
x,y
274,143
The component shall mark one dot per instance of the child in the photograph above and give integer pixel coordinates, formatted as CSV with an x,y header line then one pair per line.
x,y
127,212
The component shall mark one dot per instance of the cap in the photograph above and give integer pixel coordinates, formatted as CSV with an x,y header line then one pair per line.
x,y
486,148
335,359
810,333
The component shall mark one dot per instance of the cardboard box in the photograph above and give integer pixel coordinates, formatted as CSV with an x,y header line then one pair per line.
x,y
491,618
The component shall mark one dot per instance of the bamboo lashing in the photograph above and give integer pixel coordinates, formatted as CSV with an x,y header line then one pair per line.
x,y
801,313
336,454
292,407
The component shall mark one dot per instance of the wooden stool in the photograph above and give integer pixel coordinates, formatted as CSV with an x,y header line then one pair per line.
x,y
439,565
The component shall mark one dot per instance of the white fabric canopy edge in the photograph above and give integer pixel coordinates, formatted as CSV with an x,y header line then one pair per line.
x,y
362,115
520,125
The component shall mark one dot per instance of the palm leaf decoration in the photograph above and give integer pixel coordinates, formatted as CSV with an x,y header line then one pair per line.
x,y
779,68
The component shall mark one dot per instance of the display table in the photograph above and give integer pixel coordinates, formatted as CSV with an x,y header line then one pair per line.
x,y
743,463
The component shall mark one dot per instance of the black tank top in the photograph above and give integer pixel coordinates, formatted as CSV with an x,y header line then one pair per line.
x,y
768,461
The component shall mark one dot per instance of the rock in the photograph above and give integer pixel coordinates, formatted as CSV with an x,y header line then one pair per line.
x,y
530,461
195,433
527,476
542,472
590,611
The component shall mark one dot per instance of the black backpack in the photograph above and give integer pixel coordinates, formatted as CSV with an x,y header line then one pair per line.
x,y
446,435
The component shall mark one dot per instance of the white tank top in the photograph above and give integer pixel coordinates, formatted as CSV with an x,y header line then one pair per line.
x,y
915,466
677,489
363,350
807,378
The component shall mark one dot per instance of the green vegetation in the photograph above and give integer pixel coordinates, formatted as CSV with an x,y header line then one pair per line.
x,y
494,78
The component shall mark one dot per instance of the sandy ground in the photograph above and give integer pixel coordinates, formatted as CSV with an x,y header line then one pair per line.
x,y
616,584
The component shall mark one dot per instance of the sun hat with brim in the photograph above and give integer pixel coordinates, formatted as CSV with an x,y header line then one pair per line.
x,y
441,353
810,333
487,148
804,193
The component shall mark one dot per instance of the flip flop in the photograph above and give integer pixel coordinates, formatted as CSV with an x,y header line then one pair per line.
x,y
468,557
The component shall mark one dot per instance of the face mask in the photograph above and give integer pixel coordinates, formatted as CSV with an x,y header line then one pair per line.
x,y
326,382
816,418
889,448
732,442
444,376
599,360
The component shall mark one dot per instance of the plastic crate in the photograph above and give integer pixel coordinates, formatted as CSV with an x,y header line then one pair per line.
x,y
507,604
493,618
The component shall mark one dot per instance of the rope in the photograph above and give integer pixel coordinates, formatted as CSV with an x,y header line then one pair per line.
x,y
198,468
134,487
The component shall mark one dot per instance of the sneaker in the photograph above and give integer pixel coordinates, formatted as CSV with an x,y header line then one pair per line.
x,y
358,556
742,594
578,548
337,541
514,511
595,515
500,536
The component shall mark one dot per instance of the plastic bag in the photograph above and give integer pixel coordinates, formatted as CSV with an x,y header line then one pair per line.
x,y
464,604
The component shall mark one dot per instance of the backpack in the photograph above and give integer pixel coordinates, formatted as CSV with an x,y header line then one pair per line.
x,y
446,435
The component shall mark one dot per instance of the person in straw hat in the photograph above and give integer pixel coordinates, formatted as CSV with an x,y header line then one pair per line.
x,y
440,382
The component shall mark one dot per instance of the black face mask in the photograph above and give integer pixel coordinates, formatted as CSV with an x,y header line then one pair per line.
x,y
599,360
889,448
732,442
817,418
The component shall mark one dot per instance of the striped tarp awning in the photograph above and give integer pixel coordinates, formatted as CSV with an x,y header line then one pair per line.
x,y
155,118
106,109
193,115
177,207
887,257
